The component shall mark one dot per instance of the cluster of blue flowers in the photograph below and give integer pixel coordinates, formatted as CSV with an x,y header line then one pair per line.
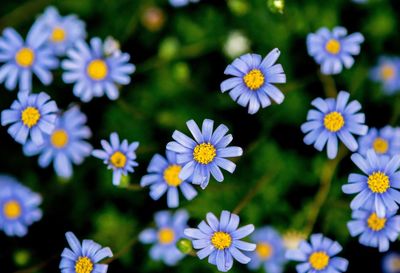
x,y
97,69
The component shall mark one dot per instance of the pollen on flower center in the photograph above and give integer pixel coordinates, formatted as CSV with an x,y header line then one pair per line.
x,y
24,57
333,46
204,153
378,182
221,240
59,138
118,159
83,265
254,79
319,260
30,116
97,69
166,236
171,175
333,121
380,145
375,223
387,72
12,209
264,251
58,35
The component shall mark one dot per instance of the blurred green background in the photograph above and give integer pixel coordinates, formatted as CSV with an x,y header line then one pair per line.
x,y
180,58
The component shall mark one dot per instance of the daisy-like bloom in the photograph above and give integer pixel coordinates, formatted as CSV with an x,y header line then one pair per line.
x,y
206,154
270,252
118,156
333,50
83,257
94,73
220,240
387,72
181,3
19,207
384,141
292,238
164,177
375,231
377,190
335,118
31,114
319,256
391,263
63,31
169,230
252,84
65,145
22,58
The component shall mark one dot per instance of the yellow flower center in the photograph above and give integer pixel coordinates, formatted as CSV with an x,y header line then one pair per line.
x,y
380,145
118,159
171,175
378,182
319,260
25,57
333,46
204,153
221,240
166,236
375,223
254,79
387,72
83,265
58,35
30,116
97,69
12,209
333,121
264,251
59,138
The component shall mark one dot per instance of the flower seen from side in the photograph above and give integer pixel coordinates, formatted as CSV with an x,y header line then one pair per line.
x,y
204,155
334,118
164,237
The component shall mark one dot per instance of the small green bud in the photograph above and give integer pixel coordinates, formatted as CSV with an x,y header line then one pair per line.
x,y
169,48
276,6
22,257
238,7
125,181
184,246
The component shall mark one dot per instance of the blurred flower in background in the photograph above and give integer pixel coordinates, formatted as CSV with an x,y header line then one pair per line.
x,y
391,263
387,72
19,207
181,3
292,238
164,177
169,230
236,44
333,50
22,58
63,31
65,145
384,141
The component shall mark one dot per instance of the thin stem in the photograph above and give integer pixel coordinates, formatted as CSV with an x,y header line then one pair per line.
x,y
328,170
124,250
329,85
133,187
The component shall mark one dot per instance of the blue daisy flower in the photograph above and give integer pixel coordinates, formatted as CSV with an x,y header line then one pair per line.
x,y
63,31
31,114
93,73
19,207
164,177
335,118
270,251
85,257
391,263
119,156
181,3
375,231
22,58
319,256
65,145
384,141
169,230
206,154
333,50
387,72
378,189
254,79
220,240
